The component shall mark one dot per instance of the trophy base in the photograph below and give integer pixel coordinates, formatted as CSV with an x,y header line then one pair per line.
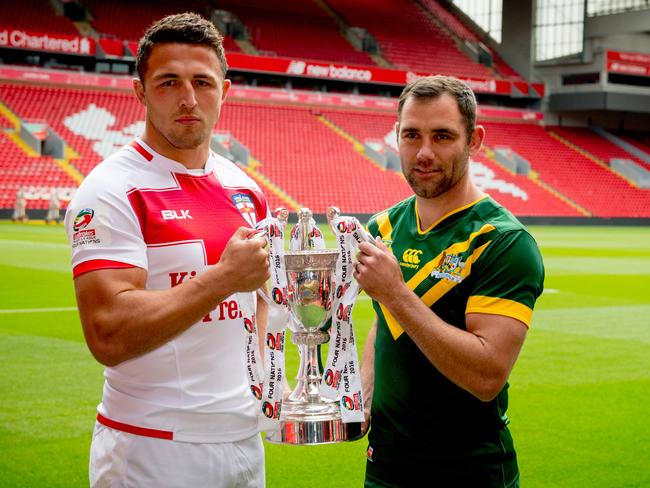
x,y
312,432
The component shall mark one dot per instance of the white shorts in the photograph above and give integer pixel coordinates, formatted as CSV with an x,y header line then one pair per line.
x,y
122,460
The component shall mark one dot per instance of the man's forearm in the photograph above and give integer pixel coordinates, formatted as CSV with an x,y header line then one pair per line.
x,y
135,320
478,359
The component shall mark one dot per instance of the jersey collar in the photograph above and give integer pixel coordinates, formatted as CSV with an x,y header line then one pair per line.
x,y
444,217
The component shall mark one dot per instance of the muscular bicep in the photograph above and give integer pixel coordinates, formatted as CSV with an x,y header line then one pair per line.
x,y
502,336
99,300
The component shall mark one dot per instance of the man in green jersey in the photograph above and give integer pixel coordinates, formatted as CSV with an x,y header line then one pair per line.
x,y
453,277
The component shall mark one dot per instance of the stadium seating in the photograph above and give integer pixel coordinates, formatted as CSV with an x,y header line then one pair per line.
x,y
317,166
18,169
517,192
35,16
294,28
128,20
465,33
309,161
106,130
640,140
408,38
594,144
590,185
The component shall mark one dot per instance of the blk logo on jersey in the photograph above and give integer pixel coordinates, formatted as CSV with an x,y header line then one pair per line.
x,y
83,218
244,204
176,215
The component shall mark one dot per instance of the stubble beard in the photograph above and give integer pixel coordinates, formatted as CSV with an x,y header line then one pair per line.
x,y
186,137
447,179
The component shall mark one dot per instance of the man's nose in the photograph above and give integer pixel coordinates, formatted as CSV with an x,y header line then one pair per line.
x,y
425,152
188,96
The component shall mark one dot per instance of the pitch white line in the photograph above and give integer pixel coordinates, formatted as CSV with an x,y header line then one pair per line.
x,y
38,310
19,242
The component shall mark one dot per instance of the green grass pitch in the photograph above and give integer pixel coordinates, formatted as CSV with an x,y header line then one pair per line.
x,y
580,391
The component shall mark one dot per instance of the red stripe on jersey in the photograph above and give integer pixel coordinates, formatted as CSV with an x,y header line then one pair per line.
x,y
145,154
95,264
134,429
199,208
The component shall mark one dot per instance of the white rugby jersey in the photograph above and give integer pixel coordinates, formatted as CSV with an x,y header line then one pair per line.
x,y
140,209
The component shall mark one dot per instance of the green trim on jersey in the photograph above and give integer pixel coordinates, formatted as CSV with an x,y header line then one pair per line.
x,y
477,259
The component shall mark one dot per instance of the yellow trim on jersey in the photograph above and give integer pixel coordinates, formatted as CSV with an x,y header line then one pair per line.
x,y
441,287
385,227
500,306
459,209
456,248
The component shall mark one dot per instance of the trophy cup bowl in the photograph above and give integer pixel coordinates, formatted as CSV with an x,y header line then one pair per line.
x,y
306,417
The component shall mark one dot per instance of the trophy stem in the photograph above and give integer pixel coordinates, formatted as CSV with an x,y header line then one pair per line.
x,y
309,374
307,418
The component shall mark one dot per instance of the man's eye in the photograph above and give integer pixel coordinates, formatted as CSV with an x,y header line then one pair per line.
x,y
167,83
202,83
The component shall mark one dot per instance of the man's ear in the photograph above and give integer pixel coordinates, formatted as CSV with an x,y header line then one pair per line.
x,y
226,86
476,141
397,131
138,88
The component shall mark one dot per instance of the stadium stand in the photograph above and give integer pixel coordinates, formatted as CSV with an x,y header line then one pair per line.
x,y
95,123
17,169
36,16
128,20
408,37
640,140
518,193
586,182
294,28
105,126
309,161
463,32
311,153
594,144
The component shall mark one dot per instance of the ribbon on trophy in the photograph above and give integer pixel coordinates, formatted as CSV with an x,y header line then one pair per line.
x,y
342,376
267,382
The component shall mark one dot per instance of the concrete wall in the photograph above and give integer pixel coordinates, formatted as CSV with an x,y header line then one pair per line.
x,y
517,36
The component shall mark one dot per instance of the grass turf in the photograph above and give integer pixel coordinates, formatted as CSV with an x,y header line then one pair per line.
x,y
579,392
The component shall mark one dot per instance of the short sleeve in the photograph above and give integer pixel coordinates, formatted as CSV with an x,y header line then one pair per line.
x,y
510,277
103,231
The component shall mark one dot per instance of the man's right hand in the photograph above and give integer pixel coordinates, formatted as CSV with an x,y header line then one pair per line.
x,y
245,260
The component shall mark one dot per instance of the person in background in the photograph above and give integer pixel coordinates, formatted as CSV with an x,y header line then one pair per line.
x,y
20,207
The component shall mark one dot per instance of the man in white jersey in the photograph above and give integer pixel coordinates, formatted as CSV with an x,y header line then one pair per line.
x,y
162,250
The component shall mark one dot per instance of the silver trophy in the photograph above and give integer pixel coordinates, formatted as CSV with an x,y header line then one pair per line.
x,y
306,417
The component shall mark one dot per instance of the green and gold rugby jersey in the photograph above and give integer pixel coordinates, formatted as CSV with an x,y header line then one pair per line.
x,y
478,258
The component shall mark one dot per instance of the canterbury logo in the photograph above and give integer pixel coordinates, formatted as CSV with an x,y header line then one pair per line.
x,y
411,256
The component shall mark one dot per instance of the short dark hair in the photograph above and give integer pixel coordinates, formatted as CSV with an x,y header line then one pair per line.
x,y
434,86
186,28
